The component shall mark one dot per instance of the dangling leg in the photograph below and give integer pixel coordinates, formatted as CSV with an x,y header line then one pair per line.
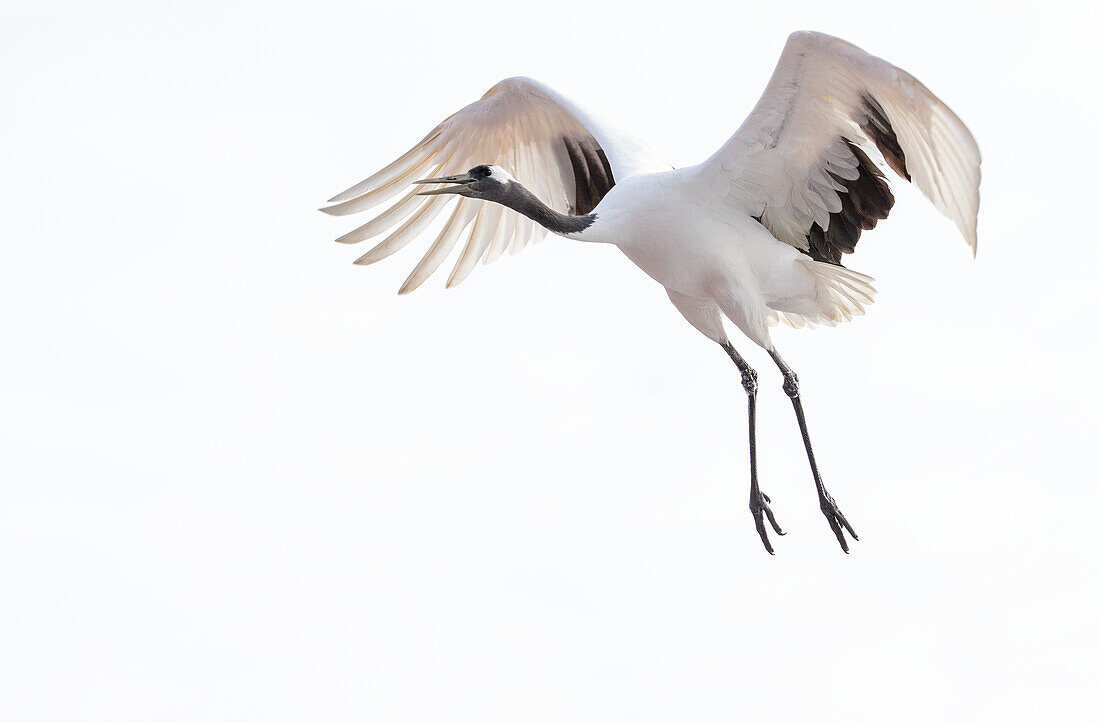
x,y
828,505
759,503
704,315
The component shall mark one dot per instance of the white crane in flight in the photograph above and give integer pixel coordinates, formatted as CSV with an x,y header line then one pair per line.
x,y
755,233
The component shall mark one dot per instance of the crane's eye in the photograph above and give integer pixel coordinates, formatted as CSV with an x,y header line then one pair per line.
x,y
488,171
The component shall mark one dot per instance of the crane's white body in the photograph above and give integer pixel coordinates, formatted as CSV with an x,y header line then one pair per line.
x,y
726,237
721,261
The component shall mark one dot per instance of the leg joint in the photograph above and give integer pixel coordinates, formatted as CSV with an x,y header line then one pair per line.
x,y
748,374
790,379
748,380
790,385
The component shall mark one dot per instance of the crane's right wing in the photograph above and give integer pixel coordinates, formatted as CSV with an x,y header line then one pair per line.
x,y
559,152
805,160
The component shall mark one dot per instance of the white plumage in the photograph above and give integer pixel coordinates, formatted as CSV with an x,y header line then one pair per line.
x,y
754,234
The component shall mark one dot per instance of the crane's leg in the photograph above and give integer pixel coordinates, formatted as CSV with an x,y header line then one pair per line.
x,y
705,316
759,503
828,505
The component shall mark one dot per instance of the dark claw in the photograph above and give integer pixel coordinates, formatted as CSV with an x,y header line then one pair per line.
x,y
837,521
760,508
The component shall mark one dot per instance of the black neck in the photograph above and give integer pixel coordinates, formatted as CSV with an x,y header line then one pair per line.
x,y
522,200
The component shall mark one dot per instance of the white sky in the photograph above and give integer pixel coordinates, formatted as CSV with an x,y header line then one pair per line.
x,y
240,479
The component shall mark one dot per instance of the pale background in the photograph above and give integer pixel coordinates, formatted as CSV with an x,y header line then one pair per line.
x,y
241,480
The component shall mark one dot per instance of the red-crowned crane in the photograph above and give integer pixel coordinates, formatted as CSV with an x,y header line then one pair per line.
x,y
754,234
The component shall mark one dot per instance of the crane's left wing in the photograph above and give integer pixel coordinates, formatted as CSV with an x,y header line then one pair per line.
x,y
556,150
804,161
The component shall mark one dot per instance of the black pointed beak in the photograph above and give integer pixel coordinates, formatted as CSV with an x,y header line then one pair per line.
x,y
461,180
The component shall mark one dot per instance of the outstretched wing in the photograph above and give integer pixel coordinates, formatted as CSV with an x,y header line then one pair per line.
x,y
560,153
804,161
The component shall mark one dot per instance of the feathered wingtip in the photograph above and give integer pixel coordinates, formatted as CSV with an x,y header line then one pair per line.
x,y
405,166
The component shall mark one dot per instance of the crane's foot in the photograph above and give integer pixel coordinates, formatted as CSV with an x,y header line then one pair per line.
x,y
759,505
836,520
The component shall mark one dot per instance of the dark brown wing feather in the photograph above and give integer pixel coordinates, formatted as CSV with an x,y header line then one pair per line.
x,y
866,200
591,172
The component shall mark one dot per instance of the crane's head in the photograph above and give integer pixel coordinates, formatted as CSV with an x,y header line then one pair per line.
x,y
490,183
